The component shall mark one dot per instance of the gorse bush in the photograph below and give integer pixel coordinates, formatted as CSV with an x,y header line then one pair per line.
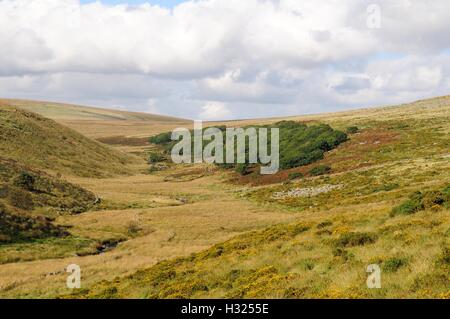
x,y
419,201
410,206
394,263
299,144
352,129
355,239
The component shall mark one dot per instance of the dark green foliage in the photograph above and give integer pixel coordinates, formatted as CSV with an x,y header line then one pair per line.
x,y
302,145
25,180
394,263
355,239
418,201
410,206
299,144
293,176
156,157
320,170
161,139
352,130
241,169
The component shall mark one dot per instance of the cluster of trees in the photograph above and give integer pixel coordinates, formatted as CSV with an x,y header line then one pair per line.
x,y
300,144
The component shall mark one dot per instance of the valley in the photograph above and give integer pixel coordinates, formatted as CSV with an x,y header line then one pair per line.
x,y
194,231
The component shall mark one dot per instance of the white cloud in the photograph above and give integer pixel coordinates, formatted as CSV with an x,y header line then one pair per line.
x,y
253,56
214,111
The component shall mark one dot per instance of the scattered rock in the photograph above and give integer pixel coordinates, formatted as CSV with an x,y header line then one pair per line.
x,y
306,192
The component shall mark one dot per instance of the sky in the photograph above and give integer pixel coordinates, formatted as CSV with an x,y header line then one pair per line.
x,y
162,3
225,59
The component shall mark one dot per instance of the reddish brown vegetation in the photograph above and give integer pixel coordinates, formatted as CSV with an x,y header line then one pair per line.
x,y
348,156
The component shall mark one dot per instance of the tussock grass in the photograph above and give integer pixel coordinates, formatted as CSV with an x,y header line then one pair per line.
x,y
219,240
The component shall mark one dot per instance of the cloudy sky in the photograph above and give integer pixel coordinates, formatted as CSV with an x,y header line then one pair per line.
x,y
223,59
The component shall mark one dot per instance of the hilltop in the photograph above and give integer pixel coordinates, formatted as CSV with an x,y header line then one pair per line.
x,y
187,231
100,123
42,143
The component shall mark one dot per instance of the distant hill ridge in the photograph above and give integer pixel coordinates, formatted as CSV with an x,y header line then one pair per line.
x,y
56,110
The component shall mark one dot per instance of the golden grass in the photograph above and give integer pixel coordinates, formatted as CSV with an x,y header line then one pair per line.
x,y
169,229
178,215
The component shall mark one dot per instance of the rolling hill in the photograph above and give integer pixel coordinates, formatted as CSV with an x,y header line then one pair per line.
x,y
100,123
35,152
42,143
203,231
385,201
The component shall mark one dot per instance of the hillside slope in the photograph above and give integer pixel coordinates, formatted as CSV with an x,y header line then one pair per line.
x,y
27,189
98,122
33,140
385,201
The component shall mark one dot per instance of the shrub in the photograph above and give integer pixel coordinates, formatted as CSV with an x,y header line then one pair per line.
x,y
352,129
341,252
320,170
25,181
394,263
16,227
324,224
418,201
242,169
161,138
293,176
299,144
21,199
355,239
432,199
410,206
155,157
